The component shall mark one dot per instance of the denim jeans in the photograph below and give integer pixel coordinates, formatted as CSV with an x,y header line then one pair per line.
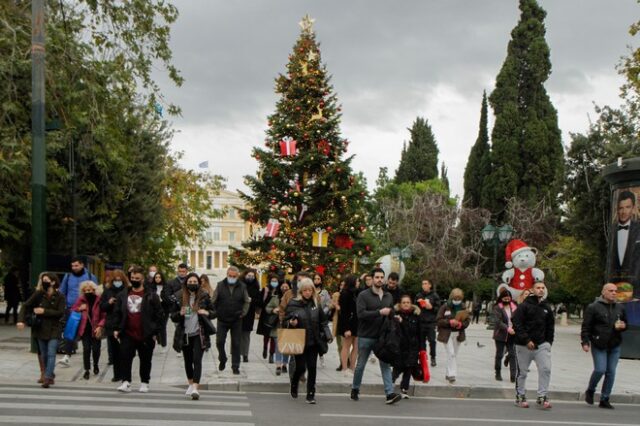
x,y
605,362
365,346
280,359
48,349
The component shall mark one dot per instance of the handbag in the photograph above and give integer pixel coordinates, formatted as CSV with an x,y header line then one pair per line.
x,y
207,325
291,341
32,320
71,328
271,321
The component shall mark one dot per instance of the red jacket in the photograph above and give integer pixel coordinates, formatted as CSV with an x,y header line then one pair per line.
x,y
96,319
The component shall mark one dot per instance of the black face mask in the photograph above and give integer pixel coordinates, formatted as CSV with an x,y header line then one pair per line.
x,y
136,284
78,274
90,297
46,286
192,287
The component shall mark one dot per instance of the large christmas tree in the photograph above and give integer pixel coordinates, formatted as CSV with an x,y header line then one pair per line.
x,y
305,199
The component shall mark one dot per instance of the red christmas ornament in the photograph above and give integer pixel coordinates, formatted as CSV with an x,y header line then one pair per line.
x,y
273,201
284,213
272,267
275,173
339,170
298,108
329,229
324,147
273,247
320,269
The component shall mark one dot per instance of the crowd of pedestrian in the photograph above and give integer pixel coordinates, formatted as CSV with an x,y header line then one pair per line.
x,y
370,315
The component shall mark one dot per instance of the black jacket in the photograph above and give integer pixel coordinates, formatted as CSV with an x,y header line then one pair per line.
x,y
412,338
151,311
263,300
598,325
395,293
230,301
428,317
534,322
310,317
112,320
179,337
368,308
348,314
253,290
168,294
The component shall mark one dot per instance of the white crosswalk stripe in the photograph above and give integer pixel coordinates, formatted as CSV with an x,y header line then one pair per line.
x,y
62,404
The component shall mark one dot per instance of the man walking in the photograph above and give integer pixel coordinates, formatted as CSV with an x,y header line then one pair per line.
x,y
534,323
393,287
372,306
231,303
604,322
429,303
70,288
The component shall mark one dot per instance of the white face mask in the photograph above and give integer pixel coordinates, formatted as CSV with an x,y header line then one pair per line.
x,y
117,284
231,280
152,274
456,302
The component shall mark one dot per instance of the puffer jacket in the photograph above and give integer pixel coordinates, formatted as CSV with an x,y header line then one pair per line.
x,y
54,306
412,338
310,317
534,322
598,327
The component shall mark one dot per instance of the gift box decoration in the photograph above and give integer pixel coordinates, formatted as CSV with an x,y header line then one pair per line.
x,y
320,238
288,146
273,227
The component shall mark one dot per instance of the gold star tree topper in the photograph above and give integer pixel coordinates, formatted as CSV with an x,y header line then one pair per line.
x,y
307,24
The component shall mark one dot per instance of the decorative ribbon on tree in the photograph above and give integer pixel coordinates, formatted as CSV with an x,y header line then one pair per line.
x,y
273,227
288,146
320,238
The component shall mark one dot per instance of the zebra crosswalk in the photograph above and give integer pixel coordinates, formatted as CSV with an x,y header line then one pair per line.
x,y
85,405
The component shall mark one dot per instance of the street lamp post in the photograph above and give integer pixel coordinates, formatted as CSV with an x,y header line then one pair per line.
x,y
495,236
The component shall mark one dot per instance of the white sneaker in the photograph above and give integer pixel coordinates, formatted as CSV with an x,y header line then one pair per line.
x,y
64,362
179,355
189,390
372,360
195,395
347,373
124,387
144,388
321,362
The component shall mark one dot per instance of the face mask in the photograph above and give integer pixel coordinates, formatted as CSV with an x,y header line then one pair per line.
x,y
318,285
152,274
232,280
274,284
250,278
456,302
117,284
136,284
46,286
90,296
192,287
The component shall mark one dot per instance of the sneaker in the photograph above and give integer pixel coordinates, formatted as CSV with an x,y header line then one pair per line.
x,y
64,362
189,390
144,388
543,402
179,355
86,375
433,362
355,394
294,390
96,370
235,370
222,365
310,398
195,395
347,373
124,387
521,401
372,360
404,393
450,379
321,362
278,371
284,369
392,398
588,397
604,403
245,358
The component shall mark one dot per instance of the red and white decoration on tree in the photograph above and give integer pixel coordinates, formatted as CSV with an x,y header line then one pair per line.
x,y
273,227
288,146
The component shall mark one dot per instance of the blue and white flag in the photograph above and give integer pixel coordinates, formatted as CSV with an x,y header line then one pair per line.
x,y
204,165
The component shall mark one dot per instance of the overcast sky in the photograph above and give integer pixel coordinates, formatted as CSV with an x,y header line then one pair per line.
x,y
391,61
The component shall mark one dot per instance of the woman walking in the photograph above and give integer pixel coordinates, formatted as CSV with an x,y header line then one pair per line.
x,y
116,283
412,341
91,325
504,334
452,320
305,312
273,308
47,306
193,328
264,299
159,282
348,324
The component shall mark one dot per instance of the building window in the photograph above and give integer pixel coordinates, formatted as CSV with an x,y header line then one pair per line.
x,y
232,236
209,261
216,259
208,235
216,234
232,212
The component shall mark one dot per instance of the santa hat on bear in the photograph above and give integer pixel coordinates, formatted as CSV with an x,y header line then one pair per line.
x,y
513,248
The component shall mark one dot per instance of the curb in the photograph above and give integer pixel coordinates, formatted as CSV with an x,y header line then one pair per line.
x,y
461,392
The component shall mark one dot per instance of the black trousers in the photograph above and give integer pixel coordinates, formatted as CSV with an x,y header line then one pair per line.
x,y
90,347
116,356
510,347
192,353
236,337
12,305
307,361
430,334
128,350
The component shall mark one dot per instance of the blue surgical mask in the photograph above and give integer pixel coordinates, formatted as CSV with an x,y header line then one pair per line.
x,y
274,284
117,284
456,302
232,280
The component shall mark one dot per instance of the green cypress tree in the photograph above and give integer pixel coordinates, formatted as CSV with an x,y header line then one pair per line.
x,y
527,152
479,163
419,159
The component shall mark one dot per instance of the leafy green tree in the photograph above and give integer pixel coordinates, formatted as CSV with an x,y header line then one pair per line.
x,y
313,189
527,152
479,162
419,160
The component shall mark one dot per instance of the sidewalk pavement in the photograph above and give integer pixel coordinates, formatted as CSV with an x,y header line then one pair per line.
x,y
569,377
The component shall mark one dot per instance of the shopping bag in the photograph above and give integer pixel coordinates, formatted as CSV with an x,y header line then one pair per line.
x,y
71,328
291,340
424,364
